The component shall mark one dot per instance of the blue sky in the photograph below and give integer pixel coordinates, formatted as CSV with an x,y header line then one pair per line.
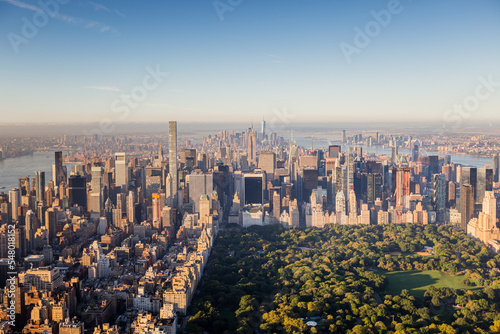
x,y
91,56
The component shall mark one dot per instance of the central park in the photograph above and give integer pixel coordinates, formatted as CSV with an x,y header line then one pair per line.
x,y
348,279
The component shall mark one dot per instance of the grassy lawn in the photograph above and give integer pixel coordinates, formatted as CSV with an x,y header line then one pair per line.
x,y
418,281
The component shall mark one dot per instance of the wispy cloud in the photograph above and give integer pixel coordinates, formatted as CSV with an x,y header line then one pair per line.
x,y
98,6
89,24
106,88
120,13
23,5
274,58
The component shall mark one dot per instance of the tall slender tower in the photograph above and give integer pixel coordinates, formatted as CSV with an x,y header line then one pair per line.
x,y
40,186
263,129
252,147
60,175
496,167
96,192
172,154
30,229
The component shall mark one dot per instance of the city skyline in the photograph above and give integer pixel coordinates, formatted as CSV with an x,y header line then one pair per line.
x,y
88,59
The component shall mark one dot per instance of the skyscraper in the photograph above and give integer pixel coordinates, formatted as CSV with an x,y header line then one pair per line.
x,y
24,185
496,167
40,186
156,210
50,223
121,172
252,147
334,151
344,138
172,155
15,202
96,193
267,162
60,173
439,196
373,187
402,186
466,205
340,208
29,223
415,151
469,176
433,165
131,207
484,183
263,129
394,156
77,189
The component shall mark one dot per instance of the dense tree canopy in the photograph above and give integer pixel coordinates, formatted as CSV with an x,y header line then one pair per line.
x,y
332,280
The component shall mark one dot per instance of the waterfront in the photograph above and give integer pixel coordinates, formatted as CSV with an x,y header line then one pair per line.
x,y
12,169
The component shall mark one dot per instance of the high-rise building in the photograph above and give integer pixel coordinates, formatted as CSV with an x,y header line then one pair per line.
x,y
496,167
276,205
40,186
340,208
334,151
484,183
469,176
252,147
402,186
263,130
353,205
394,156
50,223
15,202
199,184
415,151
466,205
24,185
452,194
131,207
96,190
29,224
433,164
77,190
373,187
121,171
439,196
188,158
358,151
156,208
172,155
350,170
254,188
60,173
267,162
344,138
